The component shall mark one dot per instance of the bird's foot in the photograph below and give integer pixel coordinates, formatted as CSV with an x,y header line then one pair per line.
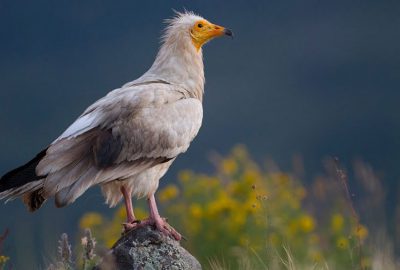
x,y
131,225
162,225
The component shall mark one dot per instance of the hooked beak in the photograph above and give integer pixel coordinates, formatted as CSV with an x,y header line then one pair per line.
x,y
204,31
217,31
228,32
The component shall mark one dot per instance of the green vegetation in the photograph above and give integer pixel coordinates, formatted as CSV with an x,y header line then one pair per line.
x,y
244,216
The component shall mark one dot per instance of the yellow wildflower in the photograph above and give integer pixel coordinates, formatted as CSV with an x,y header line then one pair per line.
x,y
185,176
250,177
251,205
3,259
342,242
316,256
168,193
239,218
307,223
212,209
361,232
90,219
229,166
196,210
337,223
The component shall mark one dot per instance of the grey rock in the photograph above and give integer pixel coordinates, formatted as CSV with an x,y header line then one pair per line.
x,y
147,249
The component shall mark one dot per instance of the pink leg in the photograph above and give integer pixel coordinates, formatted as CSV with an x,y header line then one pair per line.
x,y
158,221
130,216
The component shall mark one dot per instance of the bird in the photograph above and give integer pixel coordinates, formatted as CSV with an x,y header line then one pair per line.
x,y
126,141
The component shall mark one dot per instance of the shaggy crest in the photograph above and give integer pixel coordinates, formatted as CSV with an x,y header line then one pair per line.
x,y
181,22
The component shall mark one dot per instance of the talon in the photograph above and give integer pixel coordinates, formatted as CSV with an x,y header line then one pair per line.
x,y
128,226
131,225
167,229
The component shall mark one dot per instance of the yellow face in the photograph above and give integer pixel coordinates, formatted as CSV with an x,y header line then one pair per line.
x,y
203,31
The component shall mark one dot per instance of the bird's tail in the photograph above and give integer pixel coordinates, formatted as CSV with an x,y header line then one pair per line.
x,y
24,182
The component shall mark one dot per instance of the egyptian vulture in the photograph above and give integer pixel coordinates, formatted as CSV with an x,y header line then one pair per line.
x,y
126,141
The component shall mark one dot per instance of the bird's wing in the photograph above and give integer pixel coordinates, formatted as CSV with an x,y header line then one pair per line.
x,y
129,130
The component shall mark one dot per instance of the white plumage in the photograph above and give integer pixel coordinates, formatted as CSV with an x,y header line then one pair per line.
x,y
126,141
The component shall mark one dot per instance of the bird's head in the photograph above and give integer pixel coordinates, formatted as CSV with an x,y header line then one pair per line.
x,y
198,29
202,31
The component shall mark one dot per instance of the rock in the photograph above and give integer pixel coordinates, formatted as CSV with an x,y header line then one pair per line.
x,y
147,249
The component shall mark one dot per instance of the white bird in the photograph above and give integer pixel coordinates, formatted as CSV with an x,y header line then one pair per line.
x,y
126,141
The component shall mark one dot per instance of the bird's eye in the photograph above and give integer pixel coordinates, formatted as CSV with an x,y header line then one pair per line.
x,y
199,25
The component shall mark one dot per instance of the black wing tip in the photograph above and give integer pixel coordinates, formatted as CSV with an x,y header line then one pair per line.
x,y
23,174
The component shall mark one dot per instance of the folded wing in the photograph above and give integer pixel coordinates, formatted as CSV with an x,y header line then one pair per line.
x,y
127,131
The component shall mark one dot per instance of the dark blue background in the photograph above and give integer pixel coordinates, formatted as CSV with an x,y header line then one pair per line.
x,y
315,78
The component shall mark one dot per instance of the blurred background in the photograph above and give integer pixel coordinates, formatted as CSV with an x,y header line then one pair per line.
x,y
301,80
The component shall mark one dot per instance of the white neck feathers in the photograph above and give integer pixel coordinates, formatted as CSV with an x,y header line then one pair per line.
x,y
178,61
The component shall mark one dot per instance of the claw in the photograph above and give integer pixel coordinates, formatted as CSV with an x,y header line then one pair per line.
x,y
167,229
161,225
131,225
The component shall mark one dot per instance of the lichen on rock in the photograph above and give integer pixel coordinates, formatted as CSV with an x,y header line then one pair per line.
x,y
145,248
